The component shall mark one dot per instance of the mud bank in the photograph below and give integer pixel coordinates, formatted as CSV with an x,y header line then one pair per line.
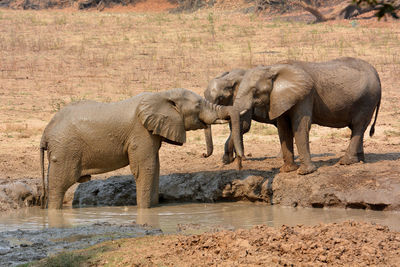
x,y
343,244
358,186
18,247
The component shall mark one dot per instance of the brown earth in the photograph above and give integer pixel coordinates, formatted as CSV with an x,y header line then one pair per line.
x,y
344,244
144,6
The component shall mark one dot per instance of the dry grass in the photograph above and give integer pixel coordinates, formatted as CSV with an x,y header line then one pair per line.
x,y
51,58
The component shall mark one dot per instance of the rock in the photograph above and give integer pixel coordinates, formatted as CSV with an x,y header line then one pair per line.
x,y
213,186
114,191
355,186
250,188
201,186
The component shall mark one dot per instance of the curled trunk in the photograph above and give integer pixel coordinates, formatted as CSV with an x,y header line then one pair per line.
x,y
214,112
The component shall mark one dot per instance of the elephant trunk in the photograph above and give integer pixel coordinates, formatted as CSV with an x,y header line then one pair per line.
x,y
243,102
214,112
207,131
241,106
209,141
236,134
211,113
210,116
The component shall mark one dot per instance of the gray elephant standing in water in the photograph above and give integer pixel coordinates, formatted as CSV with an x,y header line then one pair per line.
x,y
90,138
338,93
222,90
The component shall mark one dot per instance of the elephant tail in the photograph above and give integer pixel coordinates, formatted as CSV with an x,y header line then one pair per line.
x,y
43,198
372,131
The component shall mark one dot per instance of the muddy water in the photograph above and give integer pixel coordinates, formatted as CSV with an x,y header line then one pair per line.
x,y
175,217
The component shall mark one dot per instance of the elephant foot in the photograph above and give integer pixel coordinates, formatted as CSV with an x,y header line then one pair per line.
x,y
361,156
306,169
55,205
43,201
289,167
347,160
227,158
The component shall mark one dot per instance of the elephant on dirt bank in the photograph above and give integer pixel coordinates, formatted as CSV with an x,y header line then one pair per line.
x,y
90,138
222,90
338,93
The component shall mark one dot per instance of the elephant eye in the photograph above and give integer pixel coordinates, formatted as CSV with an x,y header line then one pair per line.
x,y
172,102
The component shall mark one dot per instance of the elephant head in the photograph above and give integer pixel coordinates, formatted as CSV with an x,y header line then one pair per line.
x,y
276,87
181,110
221,91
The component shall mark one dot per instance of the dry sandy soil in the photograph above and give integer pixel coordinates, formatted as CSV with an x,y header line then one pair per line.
x,y
51,58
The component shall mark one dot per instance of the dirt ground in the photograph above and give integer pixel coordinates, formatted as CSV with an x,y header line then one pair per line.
x,y
51,58
344,244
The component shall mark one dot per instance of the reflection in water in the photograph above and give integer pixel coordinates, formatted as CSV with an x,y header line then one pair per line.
x,y
167,217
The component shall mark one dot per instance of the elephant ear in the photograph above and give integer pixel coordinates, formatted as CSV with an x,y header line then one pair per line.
x,y
161,116
290,85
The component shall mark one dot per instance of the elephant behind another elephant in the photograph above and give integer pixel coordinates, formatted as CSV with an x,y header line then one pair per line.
x,y
222,90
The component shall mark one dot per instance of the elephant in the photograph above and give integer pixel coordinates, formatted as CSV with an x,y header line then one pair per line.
x,y
88,137
222,90
343,92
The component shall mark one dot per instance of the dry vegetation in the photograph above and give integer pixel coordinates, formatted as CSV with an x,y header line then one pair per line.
x,y
51,58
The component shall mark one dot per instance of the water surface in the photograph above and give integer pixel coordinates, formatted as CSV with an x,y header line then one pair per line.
x,y
170,217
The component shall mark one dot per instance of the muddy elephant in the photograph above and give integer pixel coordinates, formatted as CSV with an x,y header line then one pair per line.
x,y
90,138
222,90
339,93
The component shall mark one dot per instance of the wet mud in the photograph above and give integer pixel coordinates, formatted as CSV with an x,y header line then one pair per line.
x,y
22,246
336,244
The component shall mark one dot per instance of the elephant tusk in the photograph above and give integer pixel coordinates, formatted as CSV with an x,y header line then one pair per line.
x,y
243,112
219,121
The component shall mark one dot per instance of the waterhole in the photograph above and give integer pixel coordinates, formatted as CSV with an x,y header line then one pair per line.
x,y
173,218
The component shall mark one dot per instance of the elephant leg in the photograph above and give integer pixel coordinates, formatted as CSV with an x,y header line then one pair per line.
x,y
61,177
229,146
355,150
228,150
145,166
286,139
360,150
301,127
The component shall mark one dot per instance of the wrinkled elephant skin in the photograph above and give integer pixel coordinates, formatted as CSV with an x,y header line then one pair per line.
x,y
339,93
87,138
